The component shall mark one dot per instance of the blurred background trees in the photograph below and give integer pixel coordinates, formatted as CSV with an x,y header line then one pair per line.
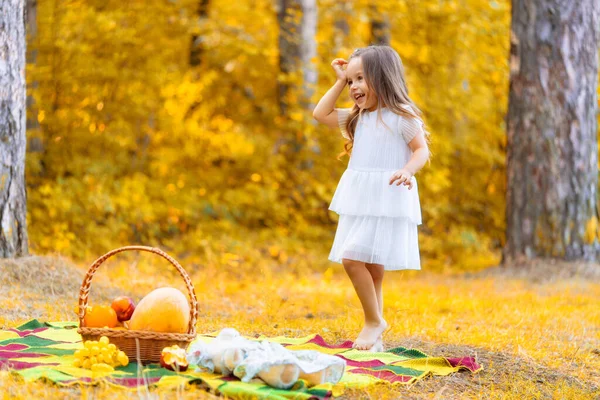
x,y
185,124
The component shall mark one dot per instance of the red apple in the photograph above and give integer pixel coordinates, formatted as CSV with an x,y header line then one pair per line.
x,y
124,307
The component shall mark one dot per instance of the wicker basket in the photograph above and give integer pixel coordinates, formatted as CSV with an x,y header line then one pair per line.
x,y
144,346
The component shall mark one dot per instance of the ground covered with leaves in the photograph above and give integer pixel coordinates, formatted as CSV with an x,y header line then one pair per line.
x,y
535,328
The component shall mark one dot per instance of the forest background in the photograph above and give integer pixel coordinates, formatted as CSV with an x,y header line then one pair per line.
x,y
161,124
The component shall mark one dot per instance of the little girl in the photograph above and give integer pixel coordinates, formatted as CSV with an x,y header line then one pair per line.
x,y
376,198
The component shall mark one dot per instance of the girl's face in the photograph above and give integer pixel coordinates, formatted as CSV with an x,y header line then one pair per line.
x,y
359,92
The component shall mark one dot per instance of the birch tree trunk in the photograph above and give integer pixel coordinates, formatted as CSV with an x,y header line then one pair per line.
x,y
308,52
297,48
13,197
552,151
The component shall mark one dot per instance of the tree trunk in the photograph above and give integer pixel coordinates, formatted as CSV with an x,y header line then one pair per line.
x,y
297,47
380,27
552,151
289,17
343,11
196,48
13,196
35,143
308,52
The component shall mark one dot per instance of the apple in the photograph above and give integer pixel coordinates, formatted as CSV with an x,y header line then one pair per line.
x,y
124,307
173,358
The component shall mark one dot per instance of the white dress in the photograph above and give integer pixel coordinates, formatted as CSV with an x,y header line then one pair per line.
x,y
377,221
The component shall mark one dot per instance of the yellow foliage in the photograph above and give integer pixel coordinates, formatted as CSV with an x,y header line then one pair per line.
x,y
129,130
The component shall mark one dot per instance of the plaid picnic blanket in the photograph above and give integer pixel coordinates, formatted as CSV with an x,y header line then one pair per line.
x,y
38,350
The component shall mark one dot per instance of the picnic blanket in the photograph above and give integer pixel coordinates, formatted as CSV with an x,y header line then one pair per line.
x,y
37,350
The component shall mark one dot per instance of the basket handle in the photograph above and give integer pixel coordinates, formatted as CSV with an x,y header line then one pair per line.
x,y
85,285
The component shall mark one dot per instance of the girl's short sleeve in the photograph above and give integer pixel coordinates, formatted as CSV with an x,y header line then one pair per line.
x,y
410,127
343,114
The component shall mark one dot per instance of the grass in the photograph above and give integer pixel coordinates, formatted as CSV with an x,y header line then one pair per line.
x,y
535,328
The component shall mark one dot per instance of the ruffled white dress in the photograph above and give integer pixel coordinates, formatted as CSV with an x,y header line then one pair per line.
x,y
377,221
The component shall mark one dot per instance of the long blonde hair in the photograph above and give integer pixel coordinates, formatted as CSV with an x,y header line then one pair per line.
x,y
384,75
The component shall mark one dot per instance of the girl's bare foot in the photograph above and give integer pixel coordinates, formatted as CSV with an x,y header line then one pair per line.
x,y
369,335
378,346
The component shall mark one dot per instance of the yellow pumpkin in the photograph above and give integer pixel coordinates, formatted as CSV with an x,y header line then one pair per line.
x,y
162,310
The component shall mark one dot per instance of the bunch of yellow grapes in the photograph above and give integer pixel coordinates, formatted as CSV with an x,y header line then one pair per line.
x,y
99,356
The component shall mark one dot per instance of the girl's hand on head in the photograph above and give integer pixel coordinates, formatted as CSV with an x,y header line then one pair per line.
x,y
337,65
402,177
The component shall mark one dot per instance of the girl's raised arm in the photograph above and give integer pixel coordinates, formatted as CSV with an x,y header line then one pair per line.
x,y
324,111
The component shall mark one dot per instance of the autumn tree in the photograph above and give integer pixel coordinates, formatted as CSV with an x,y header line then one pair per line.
x,y
13,203
552,153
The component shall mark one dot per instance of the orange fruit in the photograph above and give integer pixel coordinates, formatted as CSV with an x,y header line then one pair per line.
x,y
99,317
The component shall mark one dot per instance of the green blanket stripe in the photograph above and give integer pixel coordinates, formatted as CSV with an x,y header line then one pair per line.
x,y
50,351
33,324
31,341
154,371
62,325
398,370
410,353
35,373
